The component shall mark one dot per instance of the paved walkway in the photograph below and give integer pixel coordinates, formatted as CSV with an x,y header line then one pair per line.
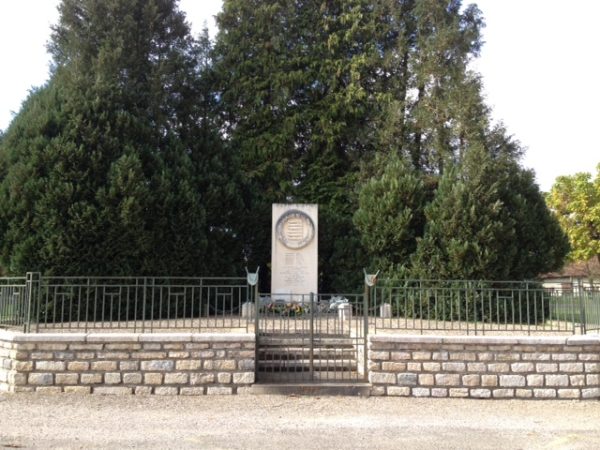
x,y
282,422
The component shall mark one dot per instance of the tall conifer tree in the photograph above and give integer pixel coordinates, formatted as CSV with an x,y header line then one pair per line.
x,y
488,220
311,89
102,165
390,214
150,152
296,78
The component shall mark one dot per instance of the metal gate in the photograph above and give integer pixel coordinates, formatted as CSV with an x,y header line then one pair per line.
x,y
311,338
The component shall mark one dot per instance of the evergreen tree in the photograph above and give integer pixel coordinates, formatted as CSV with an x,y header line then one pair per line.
x,y
431,105
433,114
25,163
488,221
150,152
447,114
541,244
295,79
310,90
468,235
217,171
104,166
390,214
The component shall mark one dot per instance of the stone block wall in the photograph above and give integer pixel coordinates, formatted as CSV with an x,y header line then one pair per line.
x,y
110,363
5,364
399,365
485,367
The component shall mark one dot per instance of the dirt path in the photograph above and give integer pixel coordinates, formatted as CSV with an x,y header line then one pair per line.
x,y
280,422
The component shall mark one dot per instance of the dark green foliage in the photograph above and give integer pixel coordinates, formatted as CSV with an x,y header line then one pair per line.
x,y
430,102
541,245
485,218
311,89
150,152
110,168
296,78
25,167
469,234
390,213
488,221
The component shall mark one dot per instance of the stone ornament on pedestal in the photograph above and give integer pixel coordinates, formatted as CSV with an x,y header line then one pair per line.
x,y
248,308
294,251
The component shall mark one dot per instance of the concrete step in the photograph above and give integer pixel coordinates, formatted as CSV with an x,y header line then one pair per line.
x,y
264,341
296,353
295,365
313,389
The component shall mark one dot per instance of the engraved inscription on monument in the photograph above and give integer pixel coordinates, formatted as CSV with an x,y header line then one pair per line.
x,y
294,250
294,273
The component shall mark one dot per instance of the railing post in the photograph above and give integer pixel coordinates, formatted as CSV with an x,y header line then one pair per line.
x,y
256,308
366,298
311,343
370,280
144,299
252,280
581,307
366,328
32,289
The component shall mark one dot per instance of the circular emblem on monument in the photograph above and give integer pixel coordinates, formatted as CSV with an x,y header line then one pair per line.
x,y
295,229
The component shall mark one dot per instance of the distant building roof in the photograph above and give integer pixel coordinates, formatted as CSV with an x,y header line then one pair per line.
x,y
578,269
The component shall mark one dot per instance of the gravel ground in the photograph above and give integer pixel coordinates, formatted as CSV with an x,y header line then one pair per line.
x,y
281,422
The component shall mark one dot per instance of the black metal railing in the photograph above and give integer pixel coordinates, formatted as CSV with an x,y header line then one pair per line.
x,y
39,303
138,304
13,301
477,307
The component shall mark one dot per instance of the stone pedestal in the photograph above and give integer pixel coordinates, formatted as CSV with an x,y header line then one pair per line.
x,y
360,355
385,311
345,312
248,310
345,317
294,251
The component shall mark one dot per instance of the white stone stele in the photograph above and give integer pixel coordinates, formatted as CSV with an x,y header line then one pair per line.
x,y
294,251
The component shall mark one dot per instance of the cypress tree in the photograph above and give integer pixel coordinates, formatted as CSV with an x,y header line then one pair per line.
x,y
295,79
218,176
541,243
433,114
468,234
312,89
26,160
104,166
150,152
488,221
390,215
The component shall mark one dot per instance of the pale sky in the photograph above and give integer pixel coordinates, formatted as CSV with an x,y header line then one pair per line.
x,y
540,66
